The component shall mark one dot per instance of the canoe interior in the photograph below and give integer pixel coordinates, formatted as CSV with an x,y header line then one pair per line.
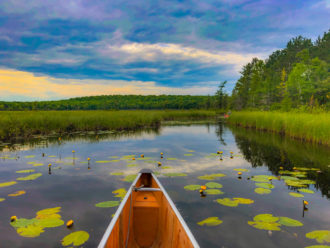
x,y
153,222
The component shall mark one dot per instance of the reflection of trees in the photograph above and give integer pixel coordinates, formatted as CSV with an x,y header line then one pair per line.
x,y
219,131
273,151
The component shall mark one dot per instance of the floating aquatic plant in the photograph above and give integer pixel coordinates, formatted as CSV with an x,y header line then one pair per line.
x,y
76,238
210,221
104,161
213,192
17,193
228,202
296,194
321,236
309,191
107,204
211,176
175,174
29,156
117,173
265,185
188,154
25,171
265,225
263,178
129,178
241,169
131,165
266,218
52,156
273,223
6,184
2,199
192,187
171,159
29,177
286,221
262,191
213,185
243,200
166,167
120,193
318,246
38,164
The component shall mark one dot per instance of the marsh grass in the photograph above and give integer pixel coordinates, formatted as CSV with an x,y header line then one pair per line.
x,y
304,126
27,123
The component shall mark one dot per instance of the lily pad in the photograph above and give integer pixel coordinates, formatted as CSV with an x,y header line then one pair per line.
x,y
107,204
38,164
6,184
211,221
295,183
228,202
320,236
25,171
130,178
309,191
50,222
30,231
76,238
263,178
265,185
270,226
29,156
171,159
103,161
296,194
211,176
131,165
213,185
318,246
22,222
30,177
240,169
120,193
117,173
166,167
2,199
48,212
188,154
214,192
262,191
175,174
128,157
52,156
266,218
17,193
243,200
192,187
285,221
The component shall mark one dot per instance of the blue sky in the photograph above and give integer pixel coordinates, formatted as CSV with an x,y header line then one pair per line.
x,y
67,48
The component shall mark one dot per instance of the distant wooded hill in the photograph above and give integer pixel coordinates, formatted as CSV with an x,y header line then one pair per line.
x,y
117,102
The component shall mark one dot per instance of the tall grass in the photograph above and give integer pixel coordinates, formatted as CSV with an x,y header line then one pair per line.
x,y
27,123
304,126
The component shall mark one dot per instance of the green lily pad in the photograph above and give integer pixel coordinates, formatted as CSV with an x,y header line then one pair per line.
x,y
318,246
211,221
265,185
227,202
6,184
214,192
188,154
243,200
175,174
128,157
192,187
30,231
241,169
48,213
2,199
130,178
48,223
150,161
120,193
17,193
306,181
211,155
320,236
166,167
29,156
265,218
25,171
52,156
22,222
171,159
191,151
29,177
296,194
270,226
295,183
309,191
262,191
76,238
117,173
285,221
263,178
103,161
38,164
211,176
107,204
131,165
289,178
213,185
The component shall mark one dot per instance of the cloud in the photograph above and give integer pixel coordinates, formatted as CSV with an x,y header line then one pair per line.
x,y
26,85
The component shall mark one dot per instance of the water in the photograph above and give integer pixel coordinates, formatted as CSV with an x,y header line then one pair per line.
x,y
76,186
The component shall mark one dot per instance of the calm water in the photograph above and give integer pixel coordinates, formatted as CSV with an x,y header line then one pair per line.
x,y
76,186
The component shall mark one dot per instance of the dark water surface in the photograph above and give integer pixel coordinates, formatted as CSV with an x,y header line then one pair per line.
x,y
76,186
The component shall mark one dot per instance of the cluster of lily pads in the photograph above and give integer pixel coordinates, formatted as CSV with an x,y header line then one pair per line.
x,y
120,193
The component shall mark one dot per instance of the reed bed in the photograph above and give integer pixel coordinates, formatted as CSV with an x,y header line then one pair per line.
x,y
27,123
304,126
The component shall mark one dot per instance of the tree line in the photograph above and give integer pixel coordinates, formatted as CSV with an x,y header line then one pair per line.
x,y
294,77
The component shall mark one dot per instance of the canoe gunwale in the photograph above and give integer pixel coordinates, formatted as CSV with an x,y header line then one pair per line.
x,y
114,220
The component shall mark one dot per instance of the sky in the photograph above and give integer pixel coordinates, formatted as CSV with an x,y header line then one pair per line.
x,y
69,48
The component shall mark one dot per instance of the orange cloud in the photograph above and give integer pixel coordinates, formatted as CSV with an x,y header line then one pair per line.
x,y
25,84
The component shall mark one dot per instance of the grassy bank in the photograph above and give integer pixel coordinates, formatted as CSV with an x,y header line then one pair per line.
x,y
27,123
303,126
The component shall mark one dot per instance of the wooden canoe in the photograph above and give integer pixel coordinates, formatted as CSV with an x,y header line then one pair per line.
x,y
147,217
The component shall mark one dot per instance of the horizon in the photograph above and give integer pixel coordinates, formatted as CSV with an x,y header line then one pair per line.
x,y
77,48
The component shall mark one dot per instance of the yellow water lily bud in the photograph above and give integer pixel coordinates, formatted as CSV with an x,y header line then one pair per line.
x,y
231,152
281,168
221,152
142,155
161,153
88,159
49,165
239,173
294,168
13,218
73,151
201,191
159,163
203,187
218,152
69,223
269,178
133,158
305,202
